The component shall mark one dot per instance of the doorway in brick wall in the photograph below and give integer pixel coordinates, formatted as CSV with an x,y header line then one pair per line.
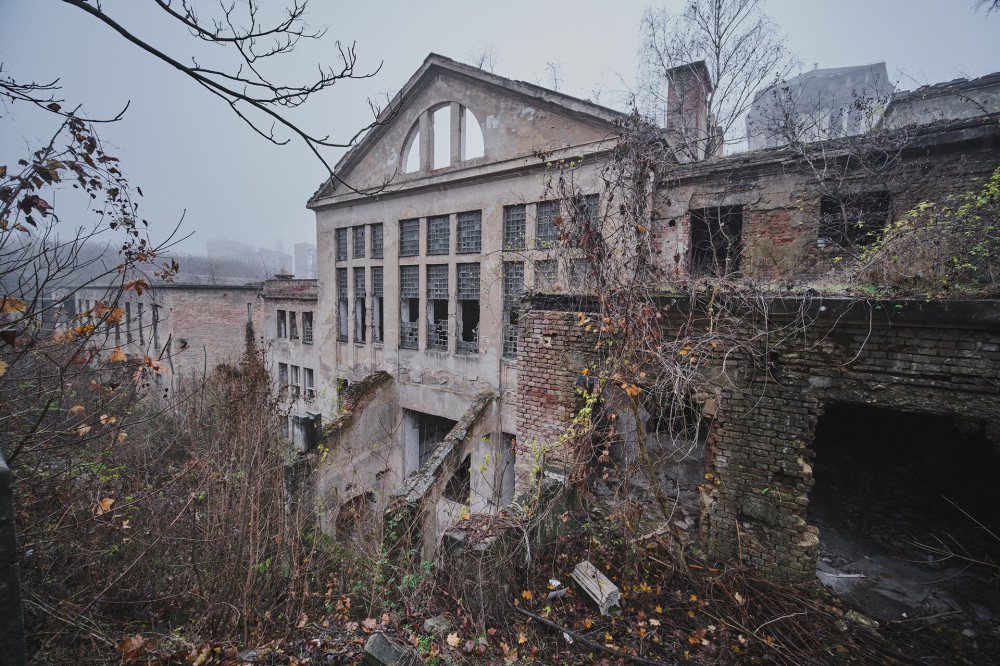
x,y
906,504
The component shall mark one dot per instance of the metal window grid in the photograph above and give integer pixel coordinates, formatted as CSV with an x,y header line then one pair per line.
x,y
359,282
438,235
341,283
409,282
510,341
437,281
513,282
590,208
377,281
514,227
409,238
341,242
437,335
359,242
469,346
546,273
468,282
470,232
307,327
409,334
547,212
377,241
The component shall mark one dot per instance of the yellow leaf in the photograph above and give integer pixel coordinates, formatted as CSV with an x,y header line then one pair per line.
x,y
117,355
526,594
3,368
690,613
11,305
453,640
659,609
521,638
653,622
694,597
114,316
104,505
75,409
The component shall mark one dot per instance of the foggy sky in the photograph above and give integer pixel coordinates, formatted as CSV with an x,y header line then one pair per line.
x,y
188,152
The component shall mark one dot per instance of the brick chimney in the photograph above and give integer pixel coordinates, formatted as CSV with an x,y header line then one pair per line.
x,y
688,124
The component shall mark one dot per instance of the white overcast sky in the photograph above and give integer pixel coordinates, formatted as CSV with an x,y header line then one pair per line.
x,y
187,151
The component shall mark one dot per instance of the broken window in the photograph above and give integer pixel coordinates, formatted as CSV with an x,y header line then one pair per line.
x,y
427,430
282,324
307,327
128,322
441,130
546,274
411,150
282,376
459,486
588,209
378,330
355,516
293,326
715,239
468,308
437,306
142,330
376,241
473,145
850,221
513,287
514,227
156,329
547,212
409,306
293,381
360,311
438,235
409,238
342,304
470,232
310,385
340,239
359,241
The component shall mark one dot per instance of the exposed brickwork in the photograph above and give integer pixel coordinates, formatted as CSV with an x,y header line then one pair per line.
x,y
934,357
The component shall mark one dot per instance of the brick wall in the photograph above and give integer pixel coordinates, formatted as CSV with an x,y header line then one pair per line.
x,y
940,358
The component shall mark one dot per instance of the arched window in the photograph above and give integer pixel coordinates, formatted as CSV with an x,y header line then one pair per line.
x,y
472,136
411,150
467,143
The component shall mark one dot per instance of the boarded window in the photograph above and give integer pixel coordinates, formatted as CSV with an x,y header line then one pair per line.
x,y
341,244
514,227
470,232
438,235
547,233
409,238
715,240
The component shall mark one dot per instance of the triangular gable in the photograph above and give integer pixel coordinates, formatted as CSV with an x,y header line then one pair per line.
x,y
516,118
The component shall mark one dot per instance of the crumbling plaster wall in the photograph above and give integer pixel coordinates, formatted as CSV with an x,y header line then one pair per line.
x,y
938,357
780,195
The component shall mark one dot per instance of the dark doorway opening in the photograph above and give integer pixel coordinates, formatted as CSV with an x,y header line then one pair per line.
x,y
897,497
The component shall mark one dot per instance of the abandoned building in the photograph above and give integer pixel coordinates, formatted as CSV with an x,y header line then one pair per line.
x,y
445,338
189,329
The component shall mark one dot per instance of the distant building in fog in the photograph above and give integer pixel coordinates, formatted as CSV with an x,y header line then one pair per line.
x,y
305,260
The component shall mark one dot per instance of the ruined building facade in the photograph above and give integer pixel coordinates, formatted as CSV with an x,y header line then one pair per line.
x,y
437,383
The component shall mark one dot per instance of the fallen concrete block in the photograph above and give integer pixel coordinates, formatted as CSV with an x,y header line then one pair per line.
x,y
385,650
596,585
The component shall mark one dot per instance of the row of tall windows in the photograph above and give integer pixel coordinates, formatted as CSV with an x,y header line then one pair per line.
x,y
288,325
363,240
366,322
297,379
